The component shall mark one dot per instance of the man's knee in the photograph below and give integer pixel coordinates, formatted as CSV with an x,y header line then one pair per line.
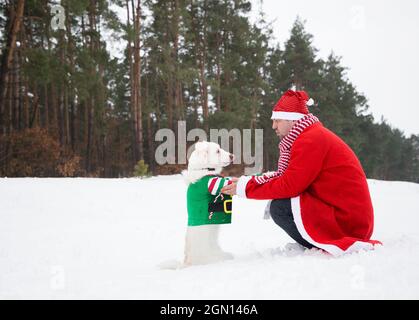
x,y
281,214
281,211
280,207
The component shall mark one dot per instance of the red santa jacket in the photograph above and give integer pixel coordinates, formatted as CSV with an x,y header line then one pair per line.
x,y
330,200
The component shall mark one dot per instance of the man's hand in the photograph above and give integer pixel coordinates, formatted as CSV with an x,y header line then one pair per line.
x,y
230,189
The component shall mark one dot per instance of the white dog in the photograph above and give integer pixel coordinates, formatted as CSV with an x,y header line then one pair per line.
x,y
201,243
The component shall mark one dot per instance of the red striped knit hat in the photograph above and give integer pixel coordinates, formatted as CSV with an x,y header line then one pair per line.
x,y
292,105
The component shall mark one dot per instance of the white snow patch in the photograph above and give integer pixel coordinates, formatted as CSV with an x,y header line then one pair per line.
x,y
80,238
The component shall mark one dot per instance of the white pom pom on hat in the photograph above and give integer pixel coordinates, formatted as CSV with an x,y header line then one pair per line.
x,y
310,102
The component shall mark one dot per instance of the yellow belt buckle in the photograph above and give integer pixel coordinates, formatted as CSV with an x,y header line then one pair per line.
x,y
225,206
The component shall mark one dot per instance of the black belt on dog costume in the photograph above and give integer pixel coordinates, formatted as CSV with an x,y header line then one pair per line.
x,y
221,206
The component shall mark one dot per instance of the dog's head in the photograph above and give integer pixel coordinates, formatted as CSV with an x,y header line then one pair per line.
x,y
209,155
207,158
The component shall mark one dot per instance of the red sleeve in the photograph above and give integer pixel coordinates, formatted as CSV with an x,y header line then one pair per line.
x,y
307,156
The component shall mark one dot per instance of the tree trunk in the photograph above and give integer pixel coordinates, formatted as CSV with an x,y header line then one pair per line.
x,y
202,66
149,125
218,101
26,104
169,102
91,101
10,101
89,128
54,108
60,120
137,83
132,86
34,118
70,102
66,118
175,58
9,50
73,125
25,80
46,112
16,92
197,52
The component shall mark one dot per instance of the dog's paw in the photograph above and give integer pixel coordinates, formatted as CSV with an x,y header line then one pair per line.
x,y
227,256
222,256
208,259
170,265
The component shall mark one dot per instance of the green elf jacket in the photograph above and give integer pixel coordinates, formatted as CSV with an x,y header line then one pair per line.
x,y
201,194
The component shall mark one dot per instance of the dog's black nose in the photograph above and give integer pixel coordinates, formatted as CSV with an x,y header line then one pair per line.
x,y
231,157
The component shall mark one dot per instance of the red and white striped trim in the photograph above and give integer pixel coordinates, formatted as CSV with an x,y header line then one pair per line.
x,y
330,248
266,177
287,115
216,184
287,142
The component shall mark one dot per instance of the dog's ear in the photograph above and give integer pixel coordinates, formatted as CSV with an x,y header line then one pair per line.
x,y
200,153
201,146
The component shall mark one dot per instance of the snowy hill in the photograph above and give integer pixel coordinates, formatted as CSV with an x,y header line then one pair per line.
x,y
104,238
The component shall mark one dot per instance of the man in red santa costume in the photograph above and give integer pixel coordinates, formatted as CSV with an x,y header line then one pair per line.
x,y
319,194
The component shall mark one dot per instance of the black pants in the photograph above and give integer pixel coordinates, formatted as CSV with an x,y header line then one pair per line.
x,y
282,215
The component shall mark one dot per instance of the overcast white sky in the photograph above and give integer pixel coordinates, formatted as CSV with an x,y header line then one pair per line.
x,y
378,41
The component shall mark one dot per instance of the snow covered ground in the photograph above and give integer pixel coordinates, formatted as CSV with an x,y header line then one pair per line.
x,y
104,239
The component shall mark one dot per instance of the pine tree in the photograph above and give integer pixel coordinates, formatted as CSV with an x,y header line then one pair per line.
x,y
301,66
